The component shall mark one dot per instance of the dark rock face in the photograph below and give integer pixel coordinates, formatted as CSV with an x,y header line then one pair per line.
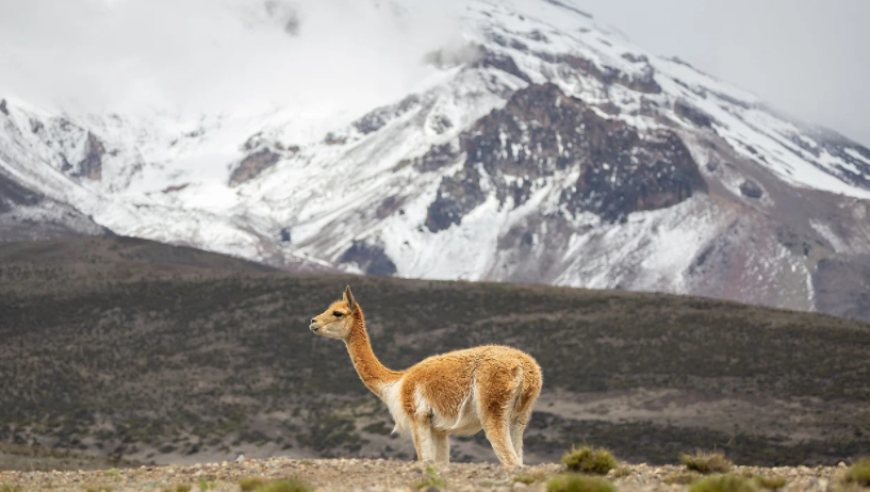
x,y
12,193
253,165
457,195
91,167
3,108
370,258
438,157
541,131
285,235
502,62
693,114
751,189
377,119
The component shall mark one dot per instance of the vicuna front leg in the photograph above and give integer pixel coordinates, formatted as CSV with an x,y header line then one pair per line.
x,y
442,447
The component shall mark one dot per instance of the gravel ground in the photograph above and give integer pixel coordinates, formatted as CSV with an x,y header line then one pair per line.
x,y
379,476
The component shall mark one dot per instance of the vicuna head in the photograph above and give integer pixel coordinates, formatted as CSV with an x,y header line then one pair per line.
x,y
337,321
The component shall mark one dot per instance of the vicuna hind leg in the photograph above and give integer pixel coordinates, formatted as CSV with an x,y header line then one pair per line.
x,y
496,397
424,440
517,428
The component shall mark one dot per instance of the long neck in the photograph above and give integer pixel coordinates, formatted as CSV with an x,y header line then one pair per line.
x,y
373,374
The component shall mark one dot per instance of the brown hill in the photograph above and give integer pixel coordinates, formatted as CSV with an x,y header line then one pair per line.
x,y
128,348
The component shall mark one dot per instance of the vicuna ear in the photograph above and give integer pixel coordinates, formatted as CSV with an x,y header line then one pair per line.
x,y
348,298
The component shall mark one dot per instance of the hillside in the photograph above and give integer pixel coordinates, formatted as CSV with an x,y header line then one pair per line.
x,y
126,348
523,142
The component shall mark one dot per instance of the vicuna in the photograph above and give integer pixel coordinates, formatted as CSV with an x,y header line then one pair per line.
x,y
491,387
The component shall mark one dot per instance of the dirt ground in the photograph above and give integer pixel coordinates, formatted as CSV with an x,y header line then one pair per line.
x,y
381,475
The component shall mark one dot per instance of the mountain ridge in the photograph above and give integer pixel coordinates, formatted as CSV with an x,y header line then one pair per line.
x,y
657,177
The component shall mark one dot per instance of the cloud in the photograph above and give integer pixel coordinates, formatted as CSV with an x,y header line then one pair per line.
x,y
219,54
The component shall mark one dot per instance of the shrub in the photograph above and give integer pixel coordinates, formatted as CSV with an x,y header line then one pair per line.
x,y
723,483
706,463
858,473
770,483
572,482
589,460
289,485
531,478
250,484
682,478
430,479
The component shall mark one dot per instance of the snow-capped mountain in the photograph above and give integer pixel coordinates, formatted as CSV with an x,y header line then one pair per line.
x,y
541,148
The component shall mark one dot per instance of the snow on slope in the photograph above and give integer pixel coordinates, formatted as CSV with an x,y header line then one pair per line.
x,y
693,186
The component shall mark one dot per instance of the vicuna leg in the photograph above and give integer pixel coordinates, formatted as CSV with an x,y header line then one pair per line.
x,y
497,391
518,427
424,440
442,447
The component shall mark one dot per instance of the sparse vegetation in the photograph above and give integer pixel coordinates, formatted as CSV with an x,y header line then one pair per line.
x,y
723,483
288,485
589,460
6,487
574,482
858,473
250,484
770,483
621,472
430,479
98,488
179,488
530,478
706,463
681,478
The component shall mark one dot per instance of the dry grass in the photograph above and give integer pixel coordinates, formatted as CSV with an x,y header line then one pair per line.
x,y
706,463
531,478
289,485
770,483
573,482
249,484
681,478
858,473
179,488
723,483
595,461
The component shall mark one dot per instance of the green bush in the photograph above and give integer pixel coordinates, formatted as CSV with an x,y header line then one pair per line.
x,y
594,461
706,463
573,482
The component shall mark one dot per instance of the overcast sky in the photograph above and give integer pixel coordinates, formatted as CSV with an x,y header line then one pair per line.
x,y
810,58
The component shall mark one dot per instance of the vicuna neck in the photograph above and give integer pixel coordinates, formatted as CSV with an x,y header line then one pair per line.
x,y
373,374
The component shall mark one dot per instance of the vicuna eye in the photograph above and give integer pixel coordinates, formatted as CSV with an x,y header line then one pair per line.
x,y
337,314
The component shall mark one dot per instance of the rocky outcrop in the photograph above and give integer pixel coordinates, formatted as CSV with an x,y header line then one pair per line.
x,y
540,132
371,259
255,163
91,166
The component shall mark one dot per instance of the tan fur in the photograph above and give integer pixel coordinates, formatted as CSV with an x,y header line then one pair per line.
x,y
491,387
